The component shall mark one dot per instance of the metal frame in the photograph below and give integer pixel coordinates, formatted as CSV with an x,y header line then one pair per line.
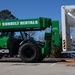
x,y
68,20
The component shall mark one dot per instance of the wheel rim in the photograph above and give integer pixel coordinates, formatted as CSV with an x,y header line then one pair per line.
x,y
28,53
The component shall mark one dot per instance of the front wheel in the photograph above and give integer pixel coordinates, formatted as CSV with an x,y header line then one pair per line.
x,y
29,52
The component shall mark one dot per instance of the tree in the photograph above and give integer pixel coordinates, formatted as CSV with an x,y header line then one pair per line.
x,y
6,14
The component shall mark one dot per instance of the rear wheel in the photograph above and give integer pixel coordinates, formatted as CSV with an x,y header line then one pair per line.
x,y
1,56
29,52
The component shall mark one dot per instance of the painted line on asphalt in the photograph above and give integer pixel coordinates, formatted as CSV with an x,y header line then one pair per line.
x,y
53,64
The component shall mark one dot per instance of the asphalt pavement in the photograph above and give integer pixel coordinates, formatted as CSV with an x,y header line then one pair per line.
x,y
43,68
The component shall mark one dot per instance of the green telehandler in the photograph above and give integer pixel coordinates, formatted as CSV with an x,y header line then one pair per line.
x,y
28,49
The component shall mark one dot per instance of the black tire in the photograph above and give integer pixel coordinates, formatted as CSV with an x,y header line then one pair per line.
x,y
29,52
1,56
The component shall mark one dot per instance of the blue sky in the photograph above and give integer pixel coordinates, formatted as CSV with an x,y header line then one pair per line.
x,y
35,8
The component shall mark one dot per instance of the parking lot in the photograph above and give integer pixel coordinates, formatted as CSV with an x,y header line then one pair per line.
x,y
47,67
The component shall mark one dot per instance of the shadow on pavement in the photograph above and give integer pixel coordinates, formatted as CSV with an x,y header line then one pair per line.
x,y
46,60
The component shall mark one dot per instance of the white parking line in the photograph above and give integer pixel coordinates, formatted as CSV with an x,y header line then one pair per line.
x,y
53,64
